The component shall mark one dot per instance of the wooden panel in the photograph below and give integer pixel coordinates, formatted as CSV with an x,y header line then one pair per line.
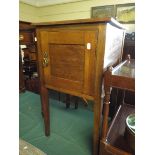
x,y
66,66
65,84
123,82
66,37
71,65
67,61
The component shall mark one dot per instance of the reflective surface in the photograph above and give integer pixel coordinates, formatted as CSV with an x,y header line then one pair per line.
x,y
126,69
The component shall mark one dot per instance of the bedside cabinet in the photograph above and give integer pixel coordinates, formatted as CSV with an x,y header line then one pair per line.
x,y
72,58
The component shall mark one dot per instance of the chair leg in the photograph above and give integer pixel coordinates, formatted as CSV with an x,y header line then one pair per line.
x,y
67,101
59,95
76,102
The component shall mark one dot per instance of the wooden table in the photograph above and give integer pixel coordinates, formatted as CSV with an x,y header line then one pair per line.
x,y
112,140
72,58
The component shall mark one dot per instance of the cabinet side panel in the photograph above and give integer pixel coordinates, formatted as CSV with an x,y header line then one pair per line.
x,y
114,44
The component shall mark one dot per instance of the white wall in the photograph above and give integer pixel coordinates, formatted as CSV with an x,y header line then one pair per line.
x,y
68,11
28,13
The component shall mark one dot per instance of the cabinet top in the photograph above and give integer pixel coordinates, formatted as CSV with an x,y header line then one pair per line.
x,y
81,21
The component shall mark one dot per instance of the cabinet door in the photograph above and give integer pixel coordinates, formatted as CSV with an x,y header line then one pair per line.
x,y
70,58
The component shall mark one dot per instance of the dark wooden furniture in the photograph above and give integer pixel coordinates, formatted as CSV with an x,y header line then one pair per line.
x,y
29,64
68,101
113,140
117,94
21,75
129,48
72,58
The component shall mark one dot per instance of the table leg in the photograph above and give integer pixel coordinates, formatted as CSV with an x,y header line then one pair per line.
x,y
45,109
67,101
97,123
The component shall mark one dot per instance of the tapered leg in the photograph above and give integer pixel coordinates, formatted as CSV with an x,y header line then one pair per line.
x,y
59,94
45,109
76,102
97,123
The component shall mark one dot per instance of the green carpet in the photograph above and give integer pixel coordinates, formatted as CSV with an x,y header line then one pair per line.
x,y
71,129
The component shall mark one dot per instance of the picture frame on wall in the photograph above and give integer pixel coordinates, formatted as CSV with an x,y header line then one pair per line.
x,y
125,13
103,11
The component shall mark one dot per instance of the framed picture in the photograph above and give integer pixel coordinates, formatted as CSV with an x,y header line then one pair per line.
x,y
125,13
103,11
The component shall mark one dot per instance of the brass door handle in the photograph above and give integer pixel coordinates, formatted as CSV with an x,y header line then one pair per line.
x,y
45,59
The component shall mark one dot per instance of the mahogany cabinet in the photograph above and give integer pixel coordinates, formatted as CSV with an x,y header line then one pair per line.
x,y
72,58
